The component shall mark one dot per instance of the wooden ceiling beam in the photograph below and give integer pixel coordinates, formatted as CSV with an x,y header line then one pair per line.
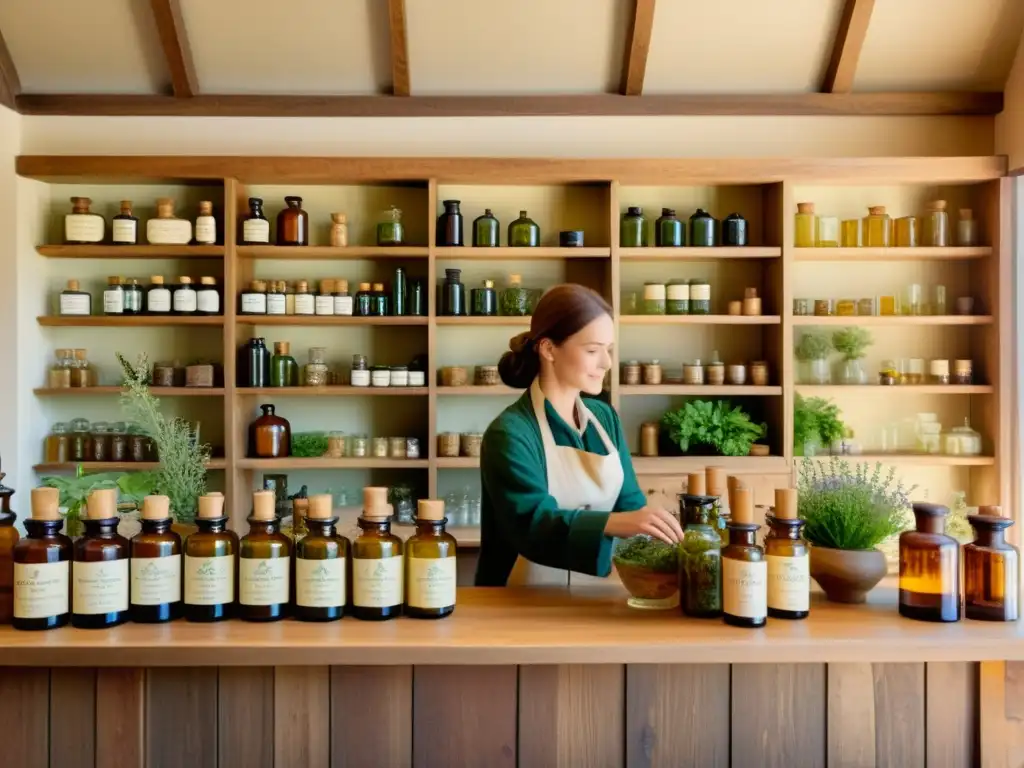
x,y
846,48
638,43
399,48
10,84
174,40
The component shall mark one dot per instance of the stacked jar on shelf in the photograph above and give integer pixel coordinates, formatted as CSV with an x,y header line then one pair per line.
x,y
280,297
124,296
669,232
877,229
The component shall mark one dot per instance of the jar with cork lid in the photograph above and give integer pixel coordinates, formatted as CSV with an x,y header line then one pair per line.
x,y
166,228
99,576
284,370
293,223
158,297
377,564
82,226
430,565
343,302
744,569
305,303
113,296
254,299
936,224
877,228
156,565
321,557
264,563
805,226
991,569
42,567
124,227
716,486
184,300
787,555
207,297
700,559
74,301
210,563
206,224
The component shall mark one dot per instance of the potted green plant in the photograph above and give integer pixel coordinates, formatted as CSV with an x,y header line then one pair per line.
x,y
847,512
712,428
852,343
813,350
649,570
816,423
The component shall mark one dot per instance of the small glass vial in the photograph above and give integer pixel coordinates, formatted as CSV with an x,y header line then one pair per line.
x,y
81,226
321,559
255,226
343,304
166,228
929,568
877,228
339,230
75,302
323,304
206,224
277,303
124,227
789,574
208,297
42,567
966,229
113,297
209,564
134,297
744,568
389,228
936,224
99,576
305,304
805,226
430,564
293,223
158,297
377,563
991,569
185,301
254,299
264,564
156,565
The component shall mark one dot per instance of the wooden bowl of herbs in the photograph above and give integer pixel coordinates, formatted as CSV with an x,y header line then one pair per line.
x,y
649,570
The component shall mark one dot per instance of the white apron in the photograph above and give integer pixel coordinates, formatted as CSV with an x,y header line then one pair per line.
x,y
576,480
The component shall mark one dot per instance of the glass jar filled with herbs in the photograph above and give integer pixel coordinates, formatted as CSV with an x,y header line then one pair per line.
x,y
515,299
700,296
700,560
485,299
389,228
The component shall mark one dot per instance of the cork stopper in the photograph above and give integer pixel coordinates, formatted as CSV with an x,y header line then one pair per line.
x,y
321,507
101,504
515,279
750,293
990,510
81,354
45,504
282,347
302,286
364,286
157,280
211,506
326,287
207,280
430,509
785,503
805,207
185,280
937,205
156,508
695,484
339,218
72,285
716,481
375,503
81,204
378,287
966,213
259,286
876,210
341,286
205,208
733,483
263,505
741,506
113,280
488,283
165,208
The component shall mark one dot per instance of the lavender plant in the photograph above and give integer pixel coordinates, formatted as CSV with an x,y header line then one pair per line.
x,y
852,508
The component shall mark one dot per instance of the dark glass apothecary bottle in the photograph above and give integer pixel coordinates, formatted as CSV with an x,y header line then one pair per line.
x,y
321,559
364,301
633,228
453,294
669,231
734,230
42,567
377,562
8,541
124,227
991,569
293,223
430,565
744,570
702,229
255,226
700,559
379,301
270,436
523,232
929,568
284,370
99,573
210,564
449,225
485,299
400,293
254,364
264,564
156,565
417,299
485,230
789,575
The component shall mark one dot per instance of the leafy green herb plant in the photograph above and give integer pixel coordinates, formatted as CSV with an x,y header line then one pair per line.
x,y
815,419
712,427
309,444
852,343
74,491
647,552
813,345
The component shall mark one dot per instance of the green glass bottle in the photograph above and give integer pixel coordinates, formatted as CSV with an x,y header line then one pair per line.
x,y
321,558
210,564
284,370
400,293
264,564
702,229
523,232
633,229
430,565
700,560
669,231
377,564
485,230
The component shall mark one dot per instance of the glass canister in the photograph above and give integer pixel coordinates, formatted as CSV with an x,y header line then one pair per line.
x,y
80,442
936,224
515,299
669,231
991,569
929,568
396,448
58,444
359,375
702,229
523,232
633,228
379,447
677,297
828,232
962,441
734,230
654,298
805,226
119,441
293,223
359,446
966,228
700,296
485,230
907,235
100,441
453,294
449,225
877,228
389,228
700,559
849,233
485,299
963,372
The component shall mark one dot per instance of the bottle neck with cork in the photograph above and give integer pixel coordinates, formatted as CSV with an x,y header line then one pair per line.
x,y
430,517
784,523
376,517
45,520
696,507
156,514
101,518
320,519
210,517
263,519
742,528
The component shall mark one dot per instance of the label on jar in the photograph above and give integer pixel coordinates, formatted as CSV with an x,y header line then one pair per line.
x,y
789,583
158,300
377,583
263,580
431,582
380,378
324,304
256,231
399,378
275,304
700,292
254,303
124,231
206,230
156,580
100,587
304,304
185,300
678,292
209,580
208,301
320,583
75,304
343,305
168,231
41,590
417,379
84,228
744,588
360,378
654,291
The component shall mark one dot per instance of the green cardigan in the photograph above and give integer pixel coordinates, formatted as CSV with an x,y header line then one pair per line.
x,y
519,516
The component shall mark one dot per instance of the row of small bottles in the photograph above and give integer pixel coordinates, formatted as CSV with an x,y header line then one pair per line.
x,y
877,229
522,232
102,579
124,296
278,297
704,230
83,227
293,225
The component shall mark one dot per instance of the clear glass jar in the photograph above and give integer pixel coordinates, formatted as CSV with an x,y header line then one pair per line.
x,y
396,448
966,228
359,446
828,232
58,444
379,447
962,441
81,442
412,447
936,224
913,300
803,307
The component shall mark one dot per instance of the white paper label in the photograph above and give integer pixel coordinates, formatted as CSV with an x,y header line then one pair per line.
x,y
113,301
206,230
744,588
254,303
209,580
158,300
360,378
75,304
678,292
168,231
208,300
256,231
654,292
84,228
41,590
324,304
789,583
156,580
320,583
124,231
343,305
304,304
185,300
377,583
700,292
431,582
275,304
99,587
263,580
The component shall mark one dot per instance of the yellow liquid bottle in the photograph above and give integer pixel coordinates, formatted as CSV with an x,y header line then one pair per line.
x,y
806,229
877,228
849,234
936,224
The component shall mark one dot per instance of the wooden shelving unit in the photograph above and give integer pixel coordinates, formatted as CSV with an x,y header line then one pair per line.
x,y
951,253
107,391
132,251
335,391
870,321
699,254
136,321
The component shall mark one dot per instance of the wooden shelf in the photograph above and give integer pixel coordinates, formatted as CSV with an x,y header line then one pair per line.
x,y
106,390
458,462
700,254
828,390
914,459
115,466
338,391
314,320
483,320
705,390
896,320
271,465
520,254
890,254
332,253
675,465
479,390
131,321
131,251
700,319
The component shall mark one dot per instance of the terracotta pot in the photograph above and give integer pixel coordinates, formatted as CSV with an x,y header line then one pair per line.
x,y
646,584
847,575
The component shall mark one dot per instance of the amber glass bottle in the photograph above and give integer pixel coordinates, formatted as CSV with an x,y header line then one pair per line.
x,y
321,559
8,541
264,564
991,569
293,223
700,560
42,567
270,436
929,568
376,561
99,574
156,565
210,567
789,572
744,570
430,564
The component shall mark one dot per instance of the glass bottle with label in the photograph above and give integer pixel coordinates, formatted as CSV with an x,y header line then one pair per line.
x,y
134,297
284,370
377,574
343,303
929,567
156,565
633,228
449,225
702,229
206,224
124,227
8,541
430,564
744,570
789,575
379,302
255,226
293,223
82,227
264,564
166,228
253,300
305,304
75,302
485,230
158,297
113,297
42,567
323,302
277,301
208,297
363,302
99,574
669,231
991,569
184,300
321,558
210,564
700,560
523,232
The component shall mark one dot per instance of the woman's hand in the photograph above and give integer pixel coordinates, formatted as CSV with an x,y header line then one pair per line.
x,y
652,521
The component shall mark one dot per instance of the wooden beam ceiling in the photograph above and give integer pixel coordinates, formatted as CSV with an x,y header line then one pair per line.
x,y
850,35
10,85
399,48
638,43
174,40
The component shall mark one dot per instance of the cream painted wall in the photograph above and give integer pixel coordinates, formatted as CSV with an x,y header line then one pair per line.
x,y
10,142
1009,125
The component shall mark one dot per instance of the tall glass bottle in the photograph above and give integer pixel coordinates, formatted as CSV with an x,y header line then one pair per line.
x,y
877,228
430,564
254,364
789,574
376,561
255,226
669,230
449,225
156,565
523,232
453,294
633,228
702,229
293,223
717,486
936,224
206,224
42,567
264,564
485,230
284,370
124,227
400,289
321,559
744,570
805,226
700,559
8,541
929,568
991,569
99,575
210,567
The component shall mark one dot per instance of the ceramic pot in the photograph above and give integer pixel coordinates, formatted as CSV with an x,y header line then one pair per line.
x,y
847,575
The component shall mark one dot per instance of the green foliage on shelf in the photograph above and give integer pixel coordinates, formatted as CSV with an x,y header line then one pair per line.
x,y
712,424
813,345
74,491
852,343
815,419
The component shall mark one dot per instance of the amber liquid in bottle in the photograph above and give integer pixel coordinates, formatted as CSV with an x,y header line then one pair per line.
x,y
210,566
376,561
99,574
321,560
929,568
744,569
8,541
264,564
430,570
789,574
991,569
156,565
42,567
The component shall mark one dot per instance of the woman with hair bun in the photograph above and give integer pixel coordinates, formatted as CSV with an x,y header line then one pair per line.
x,y
557,479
